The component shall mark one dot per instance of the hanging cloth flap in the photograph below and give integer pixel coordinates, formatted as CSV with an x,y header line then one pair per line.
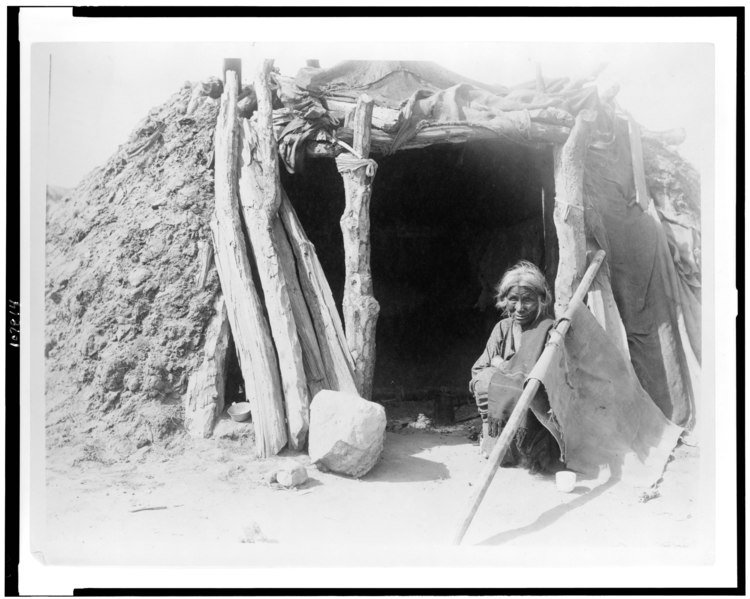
x,y
606,419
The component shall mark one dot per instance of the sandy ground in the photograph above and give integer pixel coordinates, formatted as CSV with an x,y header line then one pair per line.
x,y
162,506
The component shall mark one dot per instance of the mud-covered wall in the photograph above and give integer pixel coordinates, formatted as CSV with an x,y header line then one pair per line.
x,y
125,318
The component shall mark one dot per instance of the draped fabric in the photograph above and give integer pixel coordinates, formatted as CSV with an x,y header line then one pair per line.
x,y
604,417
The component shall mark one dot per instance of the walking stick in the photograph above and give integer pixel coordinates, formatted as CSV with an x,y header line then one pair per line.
x,y
557,334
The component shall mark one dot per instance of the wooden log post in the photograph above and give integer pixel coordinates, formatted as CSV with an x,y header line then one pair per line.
x,y
260,196
249,327
334,351
360,308
204,398
311,354
568,214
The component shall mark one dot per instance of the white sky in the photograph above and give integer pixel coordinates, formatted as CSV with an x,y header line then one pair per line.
x,y
99,91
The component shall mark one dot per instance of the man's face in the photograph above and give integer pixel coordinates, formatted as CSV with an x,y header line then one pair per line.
x,y
523,305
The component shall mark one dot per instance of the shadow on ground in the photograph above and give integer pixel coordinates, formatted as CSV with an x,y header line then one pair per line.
x,y
399,462
551,516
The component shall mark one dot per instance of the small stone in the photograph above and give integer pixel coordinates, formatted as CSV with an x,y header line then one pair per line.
x,y
291,474
157,200
138,275
346,432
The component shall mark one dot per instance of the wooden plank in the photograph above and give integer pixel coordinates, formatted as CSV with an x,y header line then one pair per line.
x,y
311,355
206,258
568,214
260,196
333,348
360,308
249,327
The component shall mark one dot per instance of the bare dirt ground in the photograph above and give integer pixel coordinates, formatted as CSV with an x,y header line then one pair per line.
x,y
162,505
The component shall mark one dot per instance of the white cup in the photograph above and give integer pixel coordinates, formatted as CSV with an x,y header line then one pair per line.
x,y
565,481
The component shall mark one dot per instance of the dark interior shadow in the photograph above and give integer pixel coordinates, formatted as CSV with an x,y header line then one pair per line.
x,y
399,464
551,516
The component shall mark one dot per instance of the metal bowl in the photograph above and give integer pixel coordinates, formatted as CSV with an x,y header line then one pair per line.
x,y
239,412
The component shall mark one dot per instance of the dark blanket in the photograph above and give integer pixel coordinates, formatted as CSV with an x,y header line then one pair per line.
x,y
508,380
536,444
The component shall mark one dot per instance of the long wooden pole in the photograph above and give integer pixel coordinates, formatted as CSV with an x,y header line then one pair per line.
x,y
557,335
260,196
249,327
360,308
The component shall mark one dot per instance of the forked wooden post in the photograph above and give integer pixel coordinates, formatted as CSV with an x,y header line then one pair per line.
x,y
568,213
360,308
529,392
260,196
249,327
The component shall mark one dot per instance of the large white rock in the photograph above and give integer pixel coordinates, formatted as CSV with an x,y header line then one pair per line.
x,y
346,432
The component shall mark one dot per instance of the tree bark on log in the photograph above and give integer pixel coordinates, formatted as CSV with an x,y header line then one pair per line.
x,y
568,215
333,348
249,327
260,196
360,308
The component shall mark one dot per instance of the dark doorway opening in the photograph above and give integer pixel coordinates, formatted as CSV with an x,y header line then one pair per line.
x,y
234,384
446,221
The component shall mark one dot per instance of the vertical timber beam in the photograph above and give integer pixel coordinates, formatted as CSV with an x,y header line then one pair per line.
x,y
260,196
360,308
568,214
249,327
334,352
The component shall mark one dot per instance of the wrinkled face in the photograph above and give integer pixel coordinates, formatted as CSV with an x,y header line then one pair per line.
x,y
523,305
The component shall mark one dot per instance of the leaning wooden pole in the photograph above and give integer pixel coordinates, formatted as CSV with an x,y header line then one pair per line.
x,y
557,335
360,308
311,354
248,324
260,196
568,213
329,332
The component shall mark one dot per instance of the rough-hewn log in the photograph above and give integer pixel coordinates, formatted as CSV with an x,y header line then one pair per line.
x,y
540,134
260,196
311,356
568,215
206,258
360,308
331,340
204,399
249,327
